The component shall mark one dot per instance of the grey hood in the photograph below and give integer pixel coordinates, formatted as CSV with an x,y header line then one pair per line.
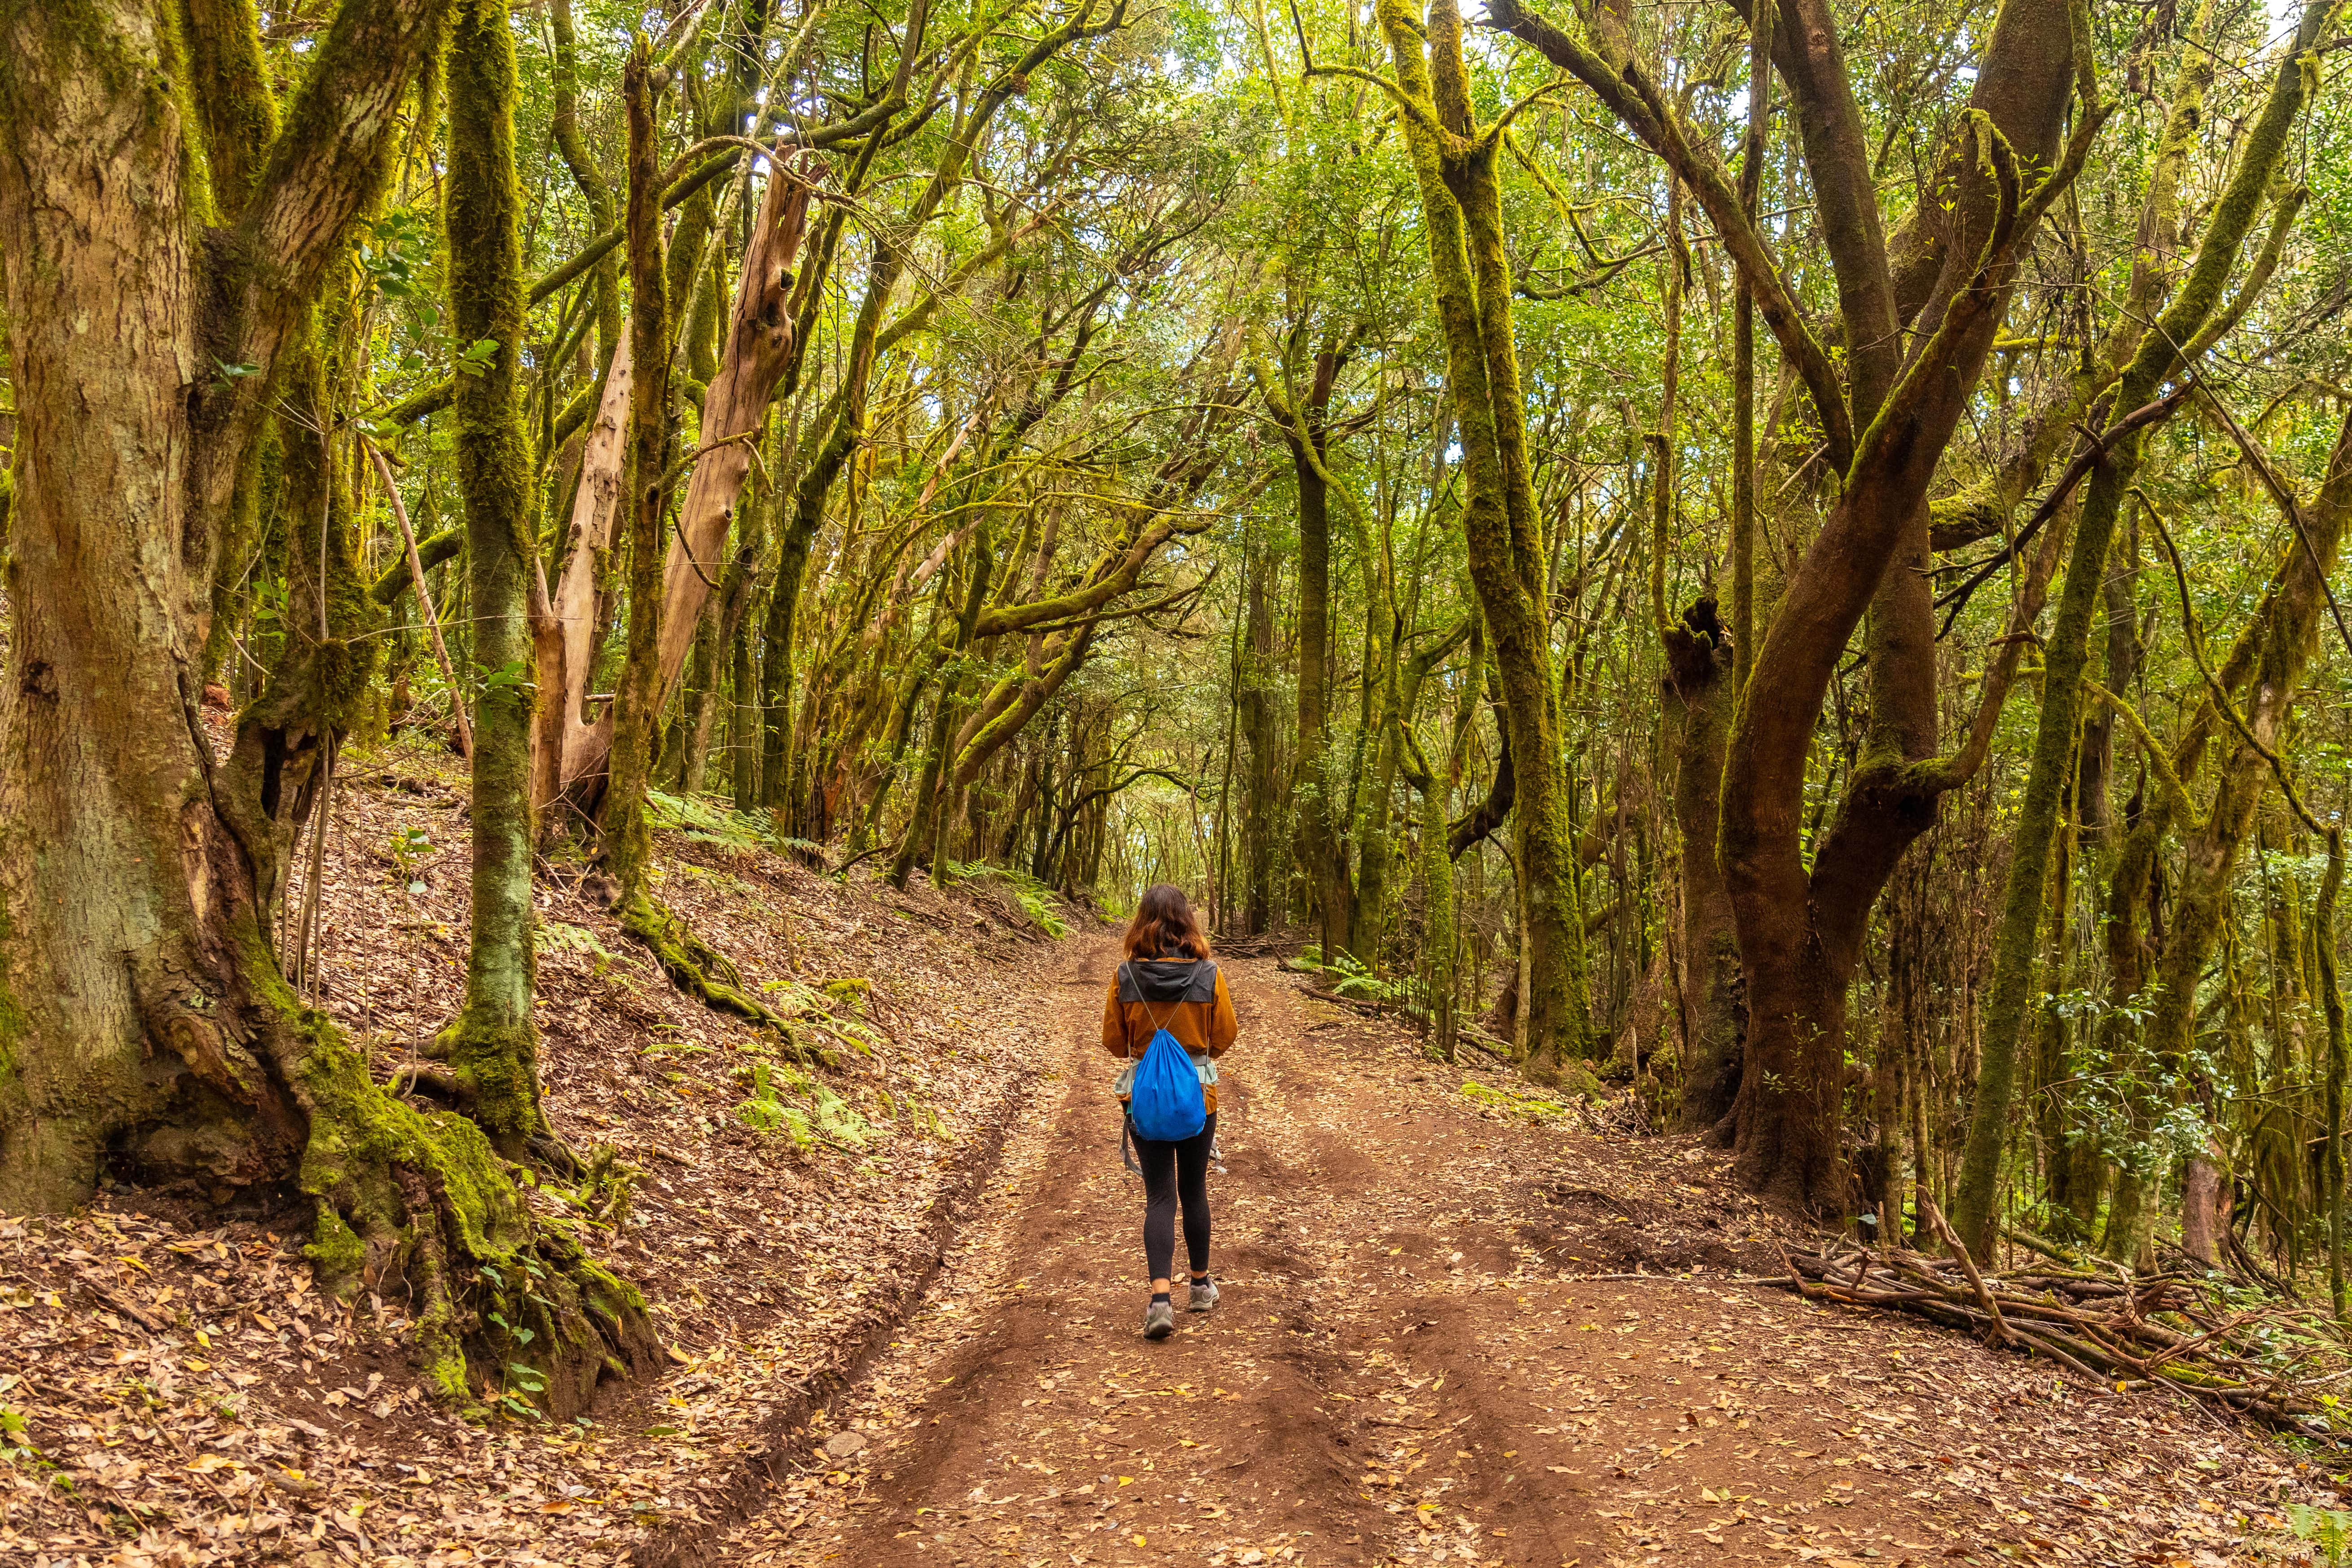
x,y
1166,980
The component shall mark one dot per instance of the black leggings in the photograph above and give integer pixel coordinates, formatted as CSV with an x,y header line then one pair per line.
x,y
1171,1170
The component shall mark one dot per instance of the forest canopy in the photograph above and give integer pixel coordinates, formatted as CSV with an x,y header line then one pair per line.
x,y
1771,560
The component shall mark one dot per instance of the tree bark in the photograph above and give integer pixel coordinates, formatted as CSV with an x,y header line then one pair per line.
x,y
1700,694
626,835
2158,357
563,124
144,1020
1460,203
1318,848
567,630
1800,924
1262,806
2204,1206
493,1045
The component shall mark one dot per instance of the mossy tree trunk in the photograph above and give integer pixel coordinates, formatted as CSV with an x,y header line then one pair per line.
x,y
1454,164
2267,668
1319,848
2157,360
1387,698
731,654
492,1048
1918,338
1700,694
1439,967
564,124
687,750
146,1029
627,836
1263,802
922,841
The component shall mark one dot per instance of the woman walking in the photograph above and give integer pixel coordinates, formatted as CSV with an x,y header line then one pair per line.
x,y
1168,982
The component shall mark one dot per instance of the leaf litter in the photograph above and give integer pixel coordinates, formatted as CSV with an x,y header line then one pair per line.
x,y
172,1389
1462,1323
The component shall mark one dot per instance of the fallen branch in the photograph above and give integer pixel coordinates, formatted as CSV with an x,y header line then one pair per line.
x,y
1968,1265
2175,1332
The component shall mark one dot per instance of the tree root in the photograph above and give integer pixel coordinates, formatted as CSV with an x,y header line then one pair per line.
x,y
510,1310
702,972
422,1078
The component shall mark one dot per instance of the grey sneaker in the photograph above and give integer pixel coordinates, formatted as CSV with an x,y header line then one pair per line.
x,y
1158,1321
1204,1295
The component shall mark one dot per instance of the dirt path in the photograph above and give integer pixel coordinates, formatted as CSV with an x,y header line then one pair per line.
x,y
1406,1369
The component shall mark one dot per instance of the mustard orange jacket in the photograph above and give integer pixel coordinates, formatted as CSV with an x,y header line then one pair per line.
x,y
1187,999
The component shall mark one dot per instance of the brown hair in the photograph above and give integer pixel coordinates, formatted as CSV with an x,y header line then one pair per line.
x,y
1165,925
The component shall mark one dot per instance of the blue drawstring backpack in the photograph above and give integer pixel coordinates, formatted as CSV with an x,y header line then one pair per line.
x,y
1164,1099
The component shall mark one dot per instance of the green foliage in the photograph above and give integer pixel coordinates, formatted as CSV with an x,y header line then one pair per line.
x,y
1351,979
408,847
705,821
836,1007
785,1099
1037,900
1535,1108
508,685
396,251
223,374
14,1442
2327,1529
603,1191
558,936
479,360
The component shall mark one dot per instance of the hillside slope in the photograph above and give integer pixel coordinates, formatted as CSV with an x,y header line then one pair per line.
x,y
187,1397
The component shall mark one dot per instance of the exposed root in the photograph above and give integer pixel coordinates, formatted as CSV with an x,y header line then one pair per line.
x,y
511,1311
495,1065
704,973
422,1078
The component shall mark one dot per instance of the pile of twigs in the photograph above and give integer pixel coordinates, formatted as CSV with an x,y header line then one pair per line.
x,y
2271,1361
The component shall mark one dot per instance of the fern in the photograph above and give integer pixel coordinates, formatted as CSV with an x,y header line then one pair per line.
x,y
2327,1528
823,1116
705,821
557,936
1037,899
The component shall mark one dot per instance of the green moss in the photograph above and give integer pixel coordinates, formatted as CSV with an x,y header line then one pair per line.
x,y
498,1065
493,1045
1975,1210
337,1251
703,972
228,86
426,1193
445,1375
